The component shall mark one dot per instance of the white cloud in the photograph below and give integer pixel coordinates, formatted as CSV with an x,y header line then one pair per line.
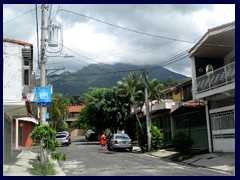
x,y
109,44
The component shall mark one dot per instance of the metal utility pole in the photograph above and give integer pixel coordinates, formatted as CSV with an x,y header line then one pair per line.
x,y
148,120
43,109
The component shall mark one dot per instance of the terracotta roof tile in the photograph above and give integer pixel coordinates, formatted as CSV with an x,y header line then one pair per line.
x,y
17,42
75,108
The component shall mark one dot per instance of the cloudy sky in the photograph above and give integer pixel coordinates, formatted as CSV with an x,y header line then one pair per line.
x,y
140,34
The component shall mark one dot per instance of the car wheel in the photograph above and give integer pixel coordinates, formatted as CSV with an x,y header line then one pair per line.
x,y
130,149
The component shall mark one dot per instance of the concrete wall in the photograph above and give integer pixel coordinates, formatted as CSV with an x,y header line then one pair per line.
x,y
77,132
13,74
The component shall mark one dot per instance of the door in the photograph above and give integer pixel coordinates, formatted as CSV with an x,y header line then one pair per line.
x,y
223,131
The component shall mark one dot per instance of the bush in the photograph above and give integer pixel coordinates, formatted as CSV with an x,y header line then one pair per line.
x,y
157,138
181,141
47,135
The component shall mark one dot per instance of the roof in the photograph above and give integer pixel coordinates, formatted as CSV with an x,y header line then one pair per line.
x,y
75,108
224,28
17,42
188,106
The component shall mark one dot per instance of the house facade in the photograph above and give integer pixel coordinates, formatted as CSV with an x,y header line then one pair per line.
x,y
213,80
72,115
20,110
179,112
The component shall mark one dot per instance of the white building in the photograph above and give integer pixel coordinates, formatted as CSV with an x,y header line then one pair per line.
x,y
18,84
213,80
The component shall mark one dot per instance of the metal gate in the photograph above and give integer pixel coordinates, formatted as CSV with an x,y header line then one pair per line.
x,y
223,131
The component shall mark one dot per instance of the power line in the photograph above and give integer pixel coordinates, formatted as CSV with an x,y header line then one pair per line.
x,y
20,16
127,29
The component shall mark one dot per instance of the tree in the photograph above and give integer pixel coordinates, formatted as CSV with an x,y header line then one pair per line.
x,y
133,87
154,89
77,100
170,82
105,108
58,111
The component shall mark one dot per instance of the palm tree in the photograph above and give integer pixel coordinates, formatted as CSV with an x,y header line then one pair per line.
x,y
154,89
133,86
58,111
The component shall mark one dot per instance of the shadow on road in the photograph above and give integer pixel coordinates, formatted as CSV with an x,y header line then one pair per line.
x,y
87,143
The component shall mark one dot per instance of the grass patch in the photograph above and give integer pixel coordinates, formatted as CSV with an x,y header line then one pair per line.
x,y
41,170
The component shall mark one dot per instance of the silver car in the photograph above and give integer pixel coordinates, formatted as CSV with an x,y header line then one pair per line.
x,y
64,137
120,141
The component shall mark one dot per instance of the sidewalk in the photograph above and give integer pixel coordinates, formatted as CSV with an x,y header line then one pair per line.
x,y
217,161
21,165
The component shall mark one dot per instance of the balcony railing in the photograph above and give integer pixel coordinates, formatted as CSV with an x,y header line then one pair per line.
x,y
220,77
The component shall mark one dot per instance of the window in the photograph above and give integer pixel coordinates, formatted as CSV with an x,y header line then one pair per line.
x,y
26,72
26,77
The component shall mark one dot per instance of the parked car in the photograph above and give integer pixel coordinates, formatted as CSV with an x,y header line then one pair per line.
x,y
64,137
90,135
120,141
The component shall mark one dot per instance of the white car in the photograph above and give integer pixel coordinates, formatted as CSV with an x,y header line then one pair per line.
x,y
120,141
64,137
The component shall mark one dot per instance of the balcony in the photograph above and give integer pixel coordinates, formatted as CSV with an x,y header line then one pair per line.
x,y
218,78
155,105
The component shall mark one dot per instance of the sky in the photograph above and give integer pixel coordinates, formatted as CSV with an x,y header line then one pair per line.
x,y
139,34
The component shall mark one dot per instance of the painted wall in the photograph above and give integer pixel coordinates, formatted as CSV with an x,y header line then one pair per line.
x,y
27,129
12,72
24,135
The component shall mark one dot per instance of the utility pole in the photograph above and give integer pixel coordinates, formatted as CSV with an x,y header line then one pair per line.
x,y
148,120
43,109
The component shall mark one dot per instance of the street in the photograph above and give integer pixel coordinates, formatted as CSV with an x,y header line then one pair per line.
x,y
86,158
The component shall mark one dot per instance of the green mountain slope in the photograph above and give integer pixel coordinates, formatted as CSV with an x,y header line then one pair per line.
x,y
102,75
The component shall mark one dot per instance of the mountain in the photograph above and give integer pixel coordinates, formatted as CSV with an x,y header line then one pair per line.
x,y
102,75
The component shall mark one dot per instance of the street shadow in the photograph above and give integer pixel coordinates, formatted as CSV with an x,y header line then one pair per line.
x,y
87,143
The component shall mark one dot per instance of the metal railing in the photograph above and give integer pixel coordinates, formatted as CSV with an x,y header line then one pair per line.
x,y
220,77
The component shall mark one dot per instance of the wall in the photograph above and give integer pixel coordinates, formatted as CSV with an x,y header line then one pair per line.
x,y
27,129
7,154
24,131
12,75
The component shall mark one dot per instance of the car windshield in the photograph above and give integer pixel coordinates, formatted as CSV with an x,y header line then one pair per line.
x,y
122,136
61,136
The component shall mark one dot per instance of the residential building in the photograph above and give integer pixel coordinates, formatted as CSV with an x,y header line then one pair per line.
x,y
179,111
213,80
20,110
72,115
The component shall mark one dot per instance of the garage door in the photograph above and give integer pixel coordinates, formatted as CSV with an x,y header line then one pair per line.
x,y
223,131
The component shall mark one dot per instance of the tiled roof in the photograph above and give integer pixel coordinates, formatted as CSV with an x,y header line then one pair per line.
x,y
75,108
17,42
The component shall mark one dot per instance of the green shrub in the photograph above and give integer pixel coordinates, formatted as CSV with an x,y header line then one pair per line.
x,y
181,141
47,135
157,138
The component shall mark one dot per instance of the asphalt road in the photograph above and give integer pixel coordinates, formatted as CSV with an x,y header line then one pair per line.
x,y
88,159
